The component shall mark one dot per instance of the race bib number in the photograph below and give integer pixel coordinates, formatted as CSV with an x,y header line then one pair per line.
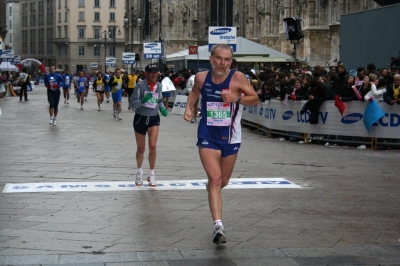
x,y
67,81
218,114
153,101
99,88
81,84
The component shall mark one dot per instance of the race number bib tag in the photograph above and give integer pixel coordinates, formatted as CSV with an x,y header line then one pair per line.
x,y
99,88
218,114
153,101
67,81
81,84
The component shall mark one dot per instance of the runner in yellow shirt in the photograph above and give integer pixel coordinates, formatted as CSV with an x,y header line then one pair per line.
x,y
131,82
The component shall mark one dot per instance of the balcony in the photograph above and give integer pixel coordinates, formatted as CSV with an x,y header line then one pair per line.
x,y
118,41
61,40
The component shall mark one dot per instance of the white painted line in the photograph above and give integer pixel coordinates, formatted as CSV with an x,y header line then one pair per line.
x,y
235,183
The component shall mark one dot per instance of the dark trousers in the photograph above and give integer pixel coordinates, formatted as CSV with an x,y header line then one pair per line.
x,y
24,90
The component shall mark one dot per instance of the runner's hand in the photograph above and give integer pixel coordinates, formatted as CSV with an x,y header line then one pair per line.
x,y
164,112
147,97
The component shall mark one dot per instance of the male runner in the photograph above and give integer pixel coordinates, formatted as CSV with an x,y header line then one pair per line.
x,y
53,82
147,101
87,83
67,85
107,87
116,90
80,89
131,82
219,131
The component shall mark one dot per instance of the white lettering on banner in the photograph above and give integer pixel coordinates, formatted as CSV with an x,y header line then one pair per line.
x,y
278,115
235,183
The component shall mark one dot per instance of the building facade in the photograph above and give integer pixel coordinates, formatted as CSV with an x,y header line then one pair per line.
x,y
72,33
75,33
184,23
12,40
3,22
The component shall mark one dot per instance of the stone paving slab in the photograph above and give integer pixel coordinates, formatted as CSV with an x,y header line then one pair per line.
x,y
346,213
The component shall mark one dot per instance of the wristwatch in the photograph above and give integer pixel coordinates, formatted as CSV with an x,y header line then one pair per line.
x,y
238,99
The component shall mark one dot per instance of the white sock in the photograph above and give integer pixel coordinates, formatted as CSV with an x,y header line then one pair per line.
x,y
152,172
55,118
218,222
51,118
139,171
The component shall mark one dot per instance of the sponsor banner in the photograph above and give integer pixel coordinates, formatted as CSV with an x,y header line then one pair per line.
x,y
277,115
152,50
7,56
17,59
179,105
234,183
225,35
128,58
111,61
94,65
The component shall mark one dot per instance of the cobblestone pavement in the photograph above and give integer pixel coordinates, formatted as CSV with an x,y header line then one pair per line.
x,y
346,213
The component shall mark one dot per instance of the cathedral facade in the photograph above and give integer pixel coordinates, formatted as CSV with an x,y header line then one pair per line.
x,y
179,24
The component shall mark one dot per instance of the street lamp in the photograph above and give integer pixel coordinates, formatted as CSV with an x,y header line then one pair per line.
x,y
135,20
106,36
119,33
160,60
98,56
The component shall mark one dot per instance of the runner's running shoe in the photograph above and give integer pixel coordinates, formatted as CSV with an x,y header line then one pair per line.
x,y
152,181
54,122
119,117
139,179
51,121
219,235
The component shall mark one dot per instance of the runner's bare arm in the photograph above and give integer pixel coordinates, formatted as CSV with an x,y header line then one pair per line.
x,y
241,85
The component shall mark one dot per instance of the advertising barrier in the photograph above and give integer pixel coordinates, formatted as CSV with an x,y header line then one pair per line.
x,y
277,115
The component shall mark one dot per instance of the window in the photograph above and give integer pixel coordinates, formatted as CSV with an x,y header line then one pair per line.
x,y
59,32
111,32
81,16
66,31
96,3
10,24
81,33
40,20
32,20
41,41
111,51
96,33
32,39
59,16
112,16
10,10
66,17
66,3
221,13
33,7
10,35
96,50
25,41
112,3
81,50
59,51
40,7
59,4
96,16
81,3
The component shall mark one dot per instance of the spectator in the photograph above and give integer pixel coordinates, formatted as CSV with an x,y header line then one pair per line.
x,y
268,91
346,93
285,87
392,94
342,77
361,72
299,92
375,93
368,82
315,99
371,68
330,94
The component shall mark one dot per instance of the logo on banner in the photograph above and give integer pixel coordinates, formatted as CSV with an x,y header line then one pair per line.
x,y
128,58
110,61
352,118
220,31
193,49
287,115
